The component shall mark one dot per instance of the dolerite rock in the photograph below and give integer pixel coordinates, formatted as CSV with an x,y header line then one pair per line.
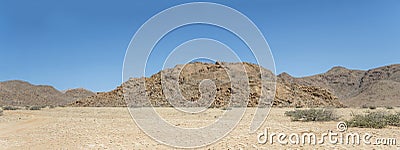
x,y
221,83
184,83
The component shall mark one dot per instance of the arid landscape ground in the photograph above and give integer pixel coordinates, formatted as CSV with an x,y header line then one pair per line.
x,y
113,128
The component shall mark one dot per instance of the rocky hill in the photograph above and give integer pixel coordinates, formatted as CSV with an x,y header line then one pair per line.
x,y
20,93
190,78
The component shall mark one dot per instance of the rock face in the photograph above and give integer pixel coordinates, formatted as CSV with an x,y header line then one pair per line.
x,y
20,93
229,81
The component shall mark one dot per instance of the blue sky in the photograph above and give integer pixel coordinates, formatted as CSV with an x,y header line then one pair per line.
x,y
70,44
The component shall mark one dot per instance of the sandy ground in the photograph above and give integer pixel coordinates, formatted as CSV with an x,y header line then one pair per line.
x,y
113,128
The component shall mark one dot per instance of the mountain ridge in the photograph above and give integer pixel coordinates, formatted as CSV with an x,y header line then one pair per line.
x,y
23,93
337,87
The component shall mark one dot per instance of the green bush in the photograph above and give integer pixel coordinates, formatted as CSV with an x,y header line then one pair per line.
x,y
10,108
312,115
376,120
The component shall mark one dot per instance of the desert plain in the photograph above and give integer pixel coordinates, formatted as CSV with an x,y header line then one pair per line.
x,y
114,128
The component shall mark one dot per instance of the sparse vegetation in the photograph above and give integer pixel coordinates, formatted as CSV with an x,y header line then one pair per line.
x,y
393,119
1,112
35,107
10,108
312,115
365,106
376,120
226,108
298,106
388,107
370,120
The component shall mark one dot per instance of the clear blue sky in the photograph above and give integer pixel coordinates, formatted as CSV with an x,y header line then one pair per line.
x,y
70,44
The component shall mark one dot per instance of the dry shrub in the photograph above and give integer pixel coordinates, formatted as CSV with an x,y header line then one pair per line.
x,y
389,107
375,120
312,115
10,108
35,107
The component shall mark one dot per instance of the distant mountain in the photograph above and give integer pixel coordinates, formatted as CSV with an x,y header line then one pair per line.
x,y
21,93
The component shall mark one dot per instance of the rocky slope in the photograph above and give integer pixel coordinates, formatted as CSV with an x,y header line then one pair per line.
x,y
20,93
